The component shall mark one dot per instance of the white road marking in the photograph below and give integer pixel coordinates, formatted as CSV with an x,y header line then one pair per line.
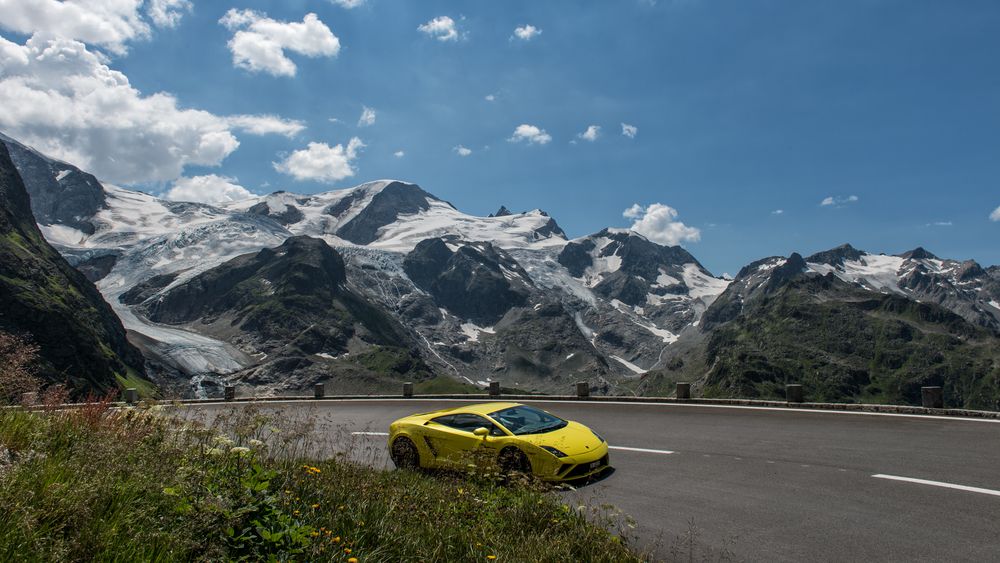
x,y
369,433
643,450
939,484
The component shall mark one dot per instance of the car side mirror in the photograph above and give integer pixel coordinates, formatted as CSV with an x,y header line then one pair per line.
x,y
481,432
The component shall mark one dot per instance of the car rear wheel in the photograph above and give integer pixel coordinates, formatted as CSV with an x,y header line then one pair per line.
x,y
513,460
404,453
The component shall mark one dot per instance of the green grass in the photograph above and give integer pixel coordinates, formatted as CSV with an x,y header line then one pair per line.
x,y
146,389
97,484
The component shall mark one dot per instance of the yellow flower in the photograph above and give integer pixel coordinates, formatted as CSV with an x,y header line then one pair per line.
x,y
314,534
315,506
491,557
352,560
295,513
347,550
336,539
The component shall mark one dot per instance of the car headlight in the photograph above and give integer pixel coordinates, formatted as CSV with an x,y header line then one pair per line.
x,y
598,436
553,451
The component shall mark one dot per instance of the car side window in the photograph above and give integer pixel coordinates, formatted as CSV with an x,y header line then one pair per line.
x,y
468,423
447,420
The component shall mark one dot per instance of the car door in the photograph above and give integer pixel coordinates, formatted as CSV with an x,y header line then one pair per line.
x,y
452,438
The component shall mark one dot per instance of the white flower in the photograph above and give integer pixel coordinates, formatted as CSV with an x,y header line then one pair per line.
x,y
224,441
256,443
240,450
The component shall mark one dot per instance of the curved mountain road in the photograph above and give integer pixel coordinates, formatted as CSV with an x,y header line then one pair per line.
x,y
765,484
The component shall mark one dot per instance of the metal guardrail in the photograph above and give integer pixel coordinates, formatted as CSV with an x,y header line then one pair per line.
x,y
932,399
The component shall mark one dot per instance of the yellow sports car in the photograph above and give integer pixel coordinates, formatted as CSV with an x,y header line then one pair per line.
x,y
523,438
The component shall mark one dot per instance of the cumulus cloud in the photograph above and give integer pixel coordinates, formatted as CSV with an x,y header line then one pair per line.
x,y
399,154
658,223
367,117
442,28
64,100
348,4
526,32
995,216
207,189
321,162
109,24
838,201
629,131
167,13
591,134
259,42
462,151
490,97
530,134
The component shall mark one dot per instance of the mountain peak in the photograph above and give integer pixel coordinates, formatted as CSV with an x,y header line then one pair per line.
x,y
502,212
836,256
918,253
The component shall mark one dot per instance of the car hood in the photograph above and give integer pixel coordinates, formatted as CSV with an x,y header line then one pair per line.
x,y
572,439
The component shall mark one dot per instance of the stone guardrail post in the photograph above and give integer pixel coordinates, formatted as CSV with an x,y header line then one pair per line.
x,y
408,390
494,388
582,389
683,390
131,395
932,397
229,393
319,391
793,393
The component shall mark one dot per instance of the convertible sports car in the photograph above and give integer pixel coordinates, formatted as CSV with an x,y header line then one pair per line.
x,y
523,438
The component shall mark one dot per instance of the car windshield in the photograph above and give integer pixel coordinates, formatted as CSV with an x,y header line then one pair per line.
x,y
527,420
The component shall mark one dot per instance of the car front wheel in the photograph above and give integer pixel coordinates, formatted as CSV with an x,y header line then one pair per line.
x,y
404,453
513,460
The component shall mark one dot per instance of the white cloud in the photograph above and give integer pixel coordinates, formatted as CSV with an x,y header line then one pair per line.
x,y
367,117
167,13
658,223
531,134
629,131
321,162
64,100
442,28
266,124
109,24
526,32
462,151
207,189
995,216
259,42
838,201
634,212
399,154
591,133
348,4
490,97
778,212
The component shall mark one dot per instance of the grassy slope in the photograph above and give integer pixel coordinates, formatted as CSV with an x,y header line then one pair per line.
x,y
98,485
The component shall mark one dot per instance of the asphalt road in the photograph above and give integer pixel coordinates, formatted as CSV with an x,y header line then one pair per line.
x,y
756,484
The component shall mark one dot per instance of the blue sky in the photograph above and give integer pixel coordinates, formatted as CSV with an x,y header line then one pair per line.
x,y
742,108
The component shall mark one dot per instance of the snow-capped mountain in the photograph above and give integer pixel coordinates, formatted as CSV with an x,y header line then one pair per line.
x,y
964,287
500,297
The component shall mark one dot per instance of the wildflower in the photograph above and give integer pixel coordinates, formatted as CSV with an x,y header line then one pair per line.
x,y
491,557
295,513
352,560
240,450
315,506
223,441
214,452
256,443
347,550
336,539
314,534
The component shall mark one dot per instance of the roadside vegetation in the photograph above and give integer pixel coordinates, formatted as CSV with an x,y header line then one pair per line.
x,y
99,483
